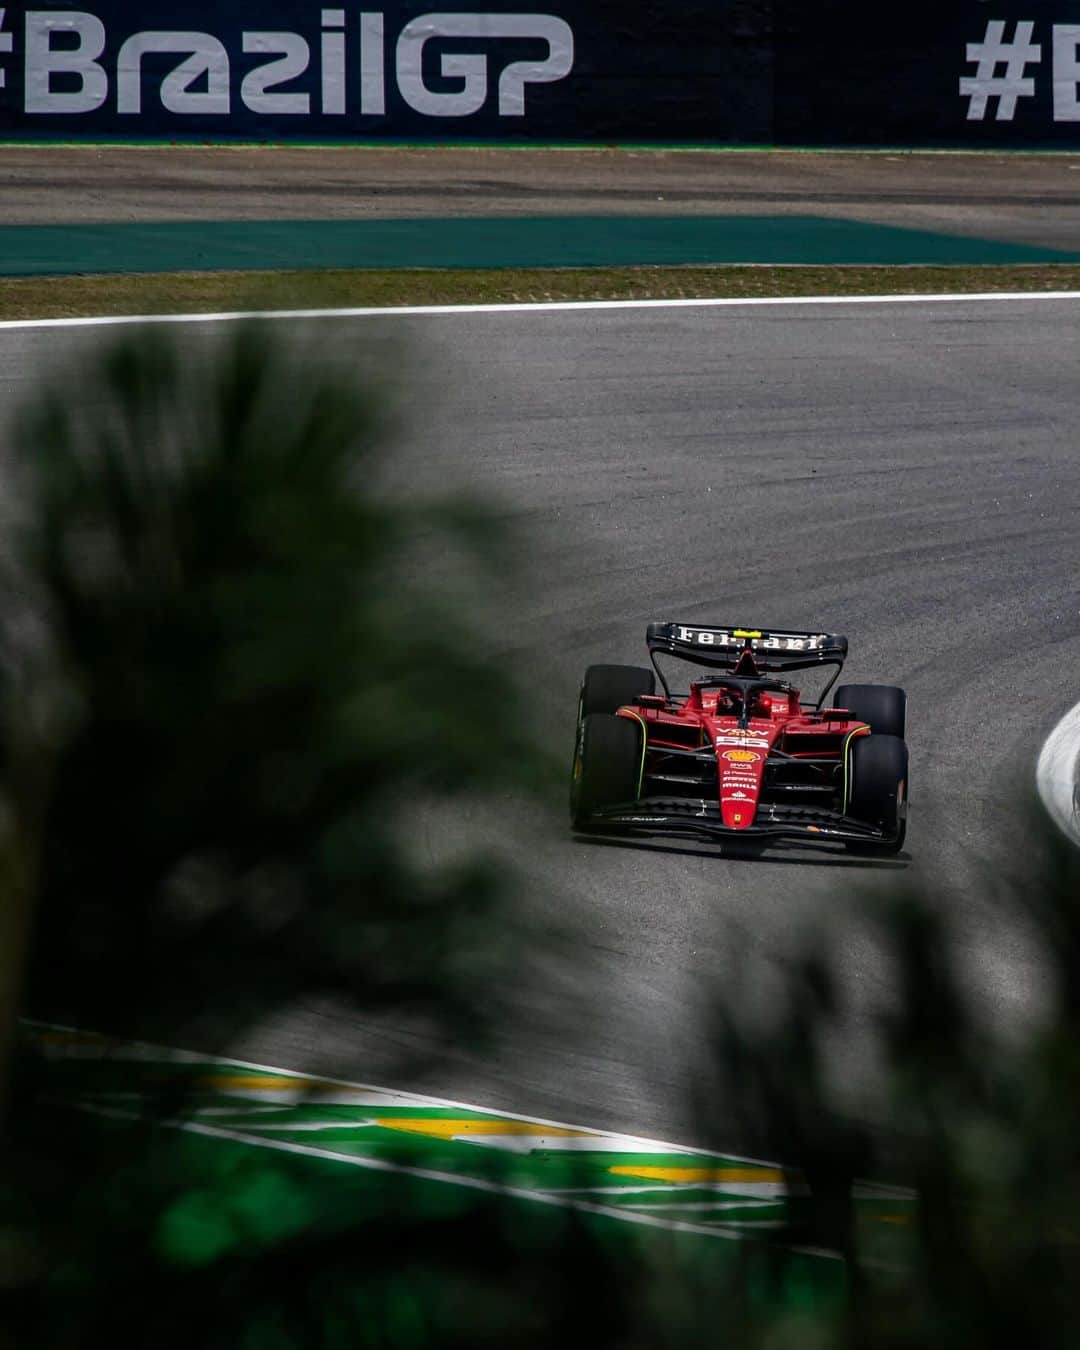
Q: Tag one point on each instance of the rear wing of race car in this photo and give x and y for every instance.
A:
(772, 649)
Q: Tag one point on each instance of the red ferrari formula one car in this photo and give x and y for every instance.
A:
(740, 756)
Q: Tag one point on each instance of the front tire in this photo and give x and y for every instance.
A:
(608, 760)
(877, 790)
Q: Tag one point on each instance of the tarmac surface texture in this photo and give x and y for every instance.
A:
(906, 474)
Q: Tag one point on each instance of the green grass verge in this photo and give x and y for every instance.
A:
(207, 292)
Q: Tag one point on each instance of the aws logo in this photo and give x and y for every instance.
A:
(441, 65)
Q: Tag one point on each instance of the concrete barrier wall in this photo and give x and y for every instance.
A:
(761, 72)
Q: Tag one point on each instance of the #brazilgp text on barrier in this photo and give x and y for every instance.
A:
(777, 72)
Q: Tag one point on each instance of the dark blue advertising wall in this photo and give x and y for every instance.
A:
(971, 73)
(783, 72)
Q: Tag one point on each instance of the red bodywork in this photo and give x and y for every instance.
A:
(777, 722)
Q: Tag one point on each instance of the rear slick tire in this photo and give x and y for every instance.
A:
(606, 689)
(883, 707)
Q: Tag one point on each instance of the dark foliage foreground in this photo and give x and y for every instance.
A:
(218, 687)
(978, 1118)
(223, 690)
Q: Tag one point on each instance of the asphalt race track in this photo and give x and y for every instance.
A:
(907, 474)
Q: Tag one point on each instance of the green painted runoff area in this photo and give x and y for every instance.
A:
(372, 1137)
(489, 242)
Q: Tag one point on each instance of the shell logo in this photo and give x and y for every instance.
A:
(741, 756)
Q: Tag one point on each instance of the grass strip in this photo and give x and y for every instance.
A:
(209, 292)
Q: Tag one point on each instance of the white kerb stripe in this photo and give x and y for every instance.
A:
(1057, 774)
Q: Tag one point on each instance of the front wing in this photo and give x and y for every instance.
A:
(700, 818)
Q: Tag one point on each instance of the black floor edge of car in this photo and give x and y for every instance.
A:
(702, 819)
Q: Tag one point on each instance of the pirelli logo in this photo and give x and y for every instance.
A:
(723, 637)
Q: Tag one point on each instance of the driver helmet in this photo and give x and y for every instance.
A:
(729, 702)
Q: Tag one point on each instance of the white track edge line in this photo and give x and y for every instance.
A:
(540, 307)
(192, 1056)
(1057, 774)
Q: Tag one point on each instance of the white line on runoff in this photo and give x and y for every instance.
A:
(542, 307)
